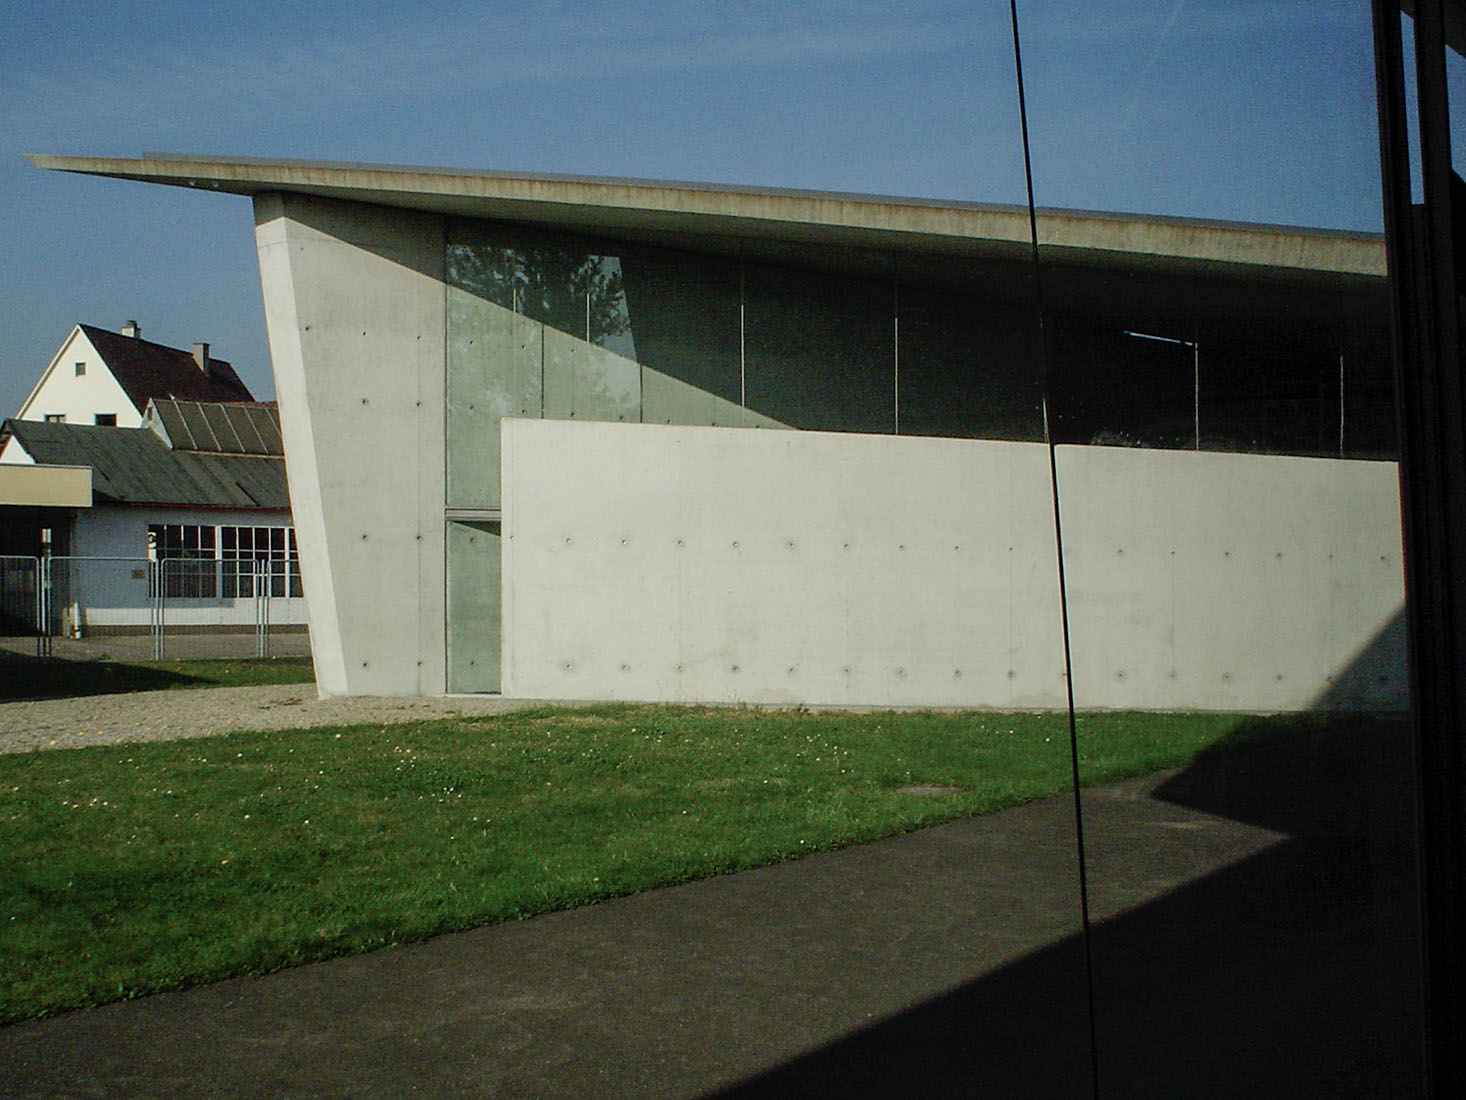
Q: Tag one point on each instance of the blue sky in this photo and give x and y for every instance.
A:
(1259, 111)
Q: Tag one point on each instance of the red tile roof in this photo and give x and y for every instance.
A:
(146, 370)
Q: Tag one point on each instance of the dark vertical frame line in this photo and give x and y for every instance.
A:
(742, 339)
(1045, 376)
(1195, 389)
(449, 281)
(1432, 441)
(896, 358)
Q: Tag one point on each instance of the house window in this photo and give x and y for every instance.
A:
(240, 548)
(187, 557)
(107, 420)
(207, 562)
(81, 369)
(55, 418)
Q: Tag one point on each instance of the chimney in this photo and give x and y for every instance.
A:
(201, 357)
(133, 329)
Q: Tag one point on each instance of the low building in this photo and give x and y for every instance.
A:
(188, 515)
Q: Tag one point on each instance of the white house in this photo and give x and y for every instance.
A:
(188, 473)
(108, 378)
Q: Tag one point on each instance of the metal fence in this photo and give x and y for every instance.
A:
(137, 607)
(20, 596)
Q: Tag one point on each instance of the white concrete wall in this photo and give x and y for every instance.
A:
(656, 562)
(79, 399)
(650, 562)
(1226, 581)
(354, 305)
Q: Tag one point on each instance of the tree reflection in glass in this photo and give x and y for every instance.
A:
(579, 293)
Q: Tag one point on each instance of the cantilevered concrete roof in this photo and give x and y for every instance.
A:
(653, 208)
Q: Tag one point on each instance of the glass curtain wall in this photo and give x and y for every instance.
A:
(1253, 905)
(550, 325)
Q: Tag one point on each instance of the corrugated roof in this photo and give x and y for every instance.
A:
(239, 429)
(135, 466)
(149, 371)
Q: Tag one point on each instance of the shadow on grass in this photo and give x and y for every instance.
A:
(56, 678)
(1292, 972)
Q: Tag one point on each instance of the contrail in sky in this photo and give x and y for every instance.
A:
(1155, 53)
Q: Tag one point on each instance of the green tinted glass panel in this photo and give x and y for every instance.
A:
(686, 313)
(495, 367)
(586, 382)
(474, 609)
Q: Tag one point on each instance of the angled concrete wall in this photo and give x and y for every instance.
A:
(355, 310)
(650, 562)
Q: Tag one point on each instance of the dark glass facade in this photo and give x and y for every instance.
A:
(815, 349)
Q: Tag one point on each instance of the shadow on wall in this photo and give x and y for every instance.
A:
(343, 221)
(1291, 972)
(1378, 677)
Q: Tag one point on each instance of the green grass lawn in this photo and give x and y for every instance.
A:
(133, 869)
(57, 679)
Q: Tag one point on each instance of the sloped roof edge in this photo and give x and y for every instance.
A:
(722, 210)
(146, 369)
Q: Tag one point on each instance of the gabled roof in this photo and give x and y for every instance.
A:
(135, 466)
(148, 371)
(243, 428)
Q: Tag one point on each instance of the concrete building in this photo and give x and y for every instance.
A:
(592, 438)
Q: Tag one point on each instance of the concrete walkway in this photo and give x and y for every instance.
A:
(83, 720)
(1254, 934)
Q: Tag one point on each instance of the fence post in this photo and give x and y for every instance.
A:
(40, 623)
(262, 607)
(155, 606)
(43, 609)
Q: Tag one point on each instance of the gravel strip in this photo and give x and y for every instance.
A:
(202, 712)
